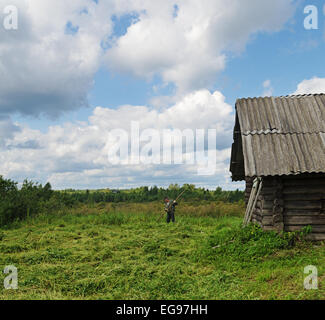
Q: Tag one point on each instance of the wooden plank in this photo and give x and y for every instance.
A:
(258, 204)
(259, 185)
(250, 203)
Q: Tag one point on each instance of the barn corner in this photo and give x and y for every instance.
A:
(279, 151)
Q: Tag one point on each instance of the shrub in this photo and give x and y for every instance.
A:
(251, 242)
(18, 204)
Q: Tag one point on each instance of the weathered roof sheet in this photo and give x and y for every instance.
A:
(279, 136)
(291, 114)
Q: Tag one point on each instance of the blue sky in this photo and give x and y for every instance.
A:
(278, 52)
(285, 58)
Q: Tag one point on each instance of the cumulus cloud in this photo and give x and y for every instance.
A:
(7, 130)
(47, 66)
(77, 154)
(311, 86)
(188, 46)
(43, 68)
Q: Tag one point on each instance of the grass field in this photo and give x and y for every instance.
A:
(125, 252)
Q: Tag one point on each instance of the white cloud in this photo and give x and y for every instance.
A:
(44, 69)
(311, 86)
(7, 130)
(189, 49)
(76, 154)
(268, 89)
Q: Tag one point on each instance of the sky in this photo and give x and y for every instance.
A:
(71, 72)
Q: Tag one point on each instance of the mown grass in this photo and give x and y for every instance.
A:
(126, 252)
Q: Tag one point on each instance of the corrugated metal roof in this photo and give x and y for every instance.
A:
(283, 154)
(279, 136)
(291, 114)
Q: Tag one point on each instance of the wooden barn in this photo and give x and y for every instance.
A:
(279, 150)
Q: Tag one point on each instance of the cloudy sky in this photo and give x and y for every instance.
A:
(75, 70)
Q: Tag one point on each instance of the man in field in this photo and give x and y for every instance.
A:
(170, 209)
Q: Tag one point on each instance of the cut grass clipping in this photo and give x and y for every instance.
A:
(100, 252)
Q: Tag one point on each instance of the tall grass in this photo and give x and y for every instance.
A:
(197, 209)
(124, 251)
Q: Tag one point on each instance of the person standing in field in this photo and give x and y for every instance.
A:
(170, 209)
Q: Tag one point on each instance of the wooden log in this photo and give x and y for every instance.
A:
(257, 218)
(269, 228)
(267, 212)
(298, 196)
(303, 220)
(303, 182)
(268, 190)
(268, 197)
(304, 176)
(304, 190)
(258, 204)
(267, 220)
(268, 205)
(305, 204)
(302, 212)
(278, 205)
(316, 236)
(315, 228)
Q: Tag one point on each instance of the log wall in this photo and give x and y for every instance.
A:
(289, 203)
(248, 190)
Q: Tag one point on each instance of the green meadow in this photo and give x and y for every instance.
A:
(126, 251)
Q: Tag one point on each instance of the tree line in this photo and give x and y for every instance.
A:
(149, 194)
(18, 203)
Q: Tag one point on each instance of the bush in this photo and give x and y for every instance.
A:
(251, 242)
(18, 204)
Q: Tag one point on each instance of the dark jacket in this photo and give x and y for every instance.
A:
(170, 206)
